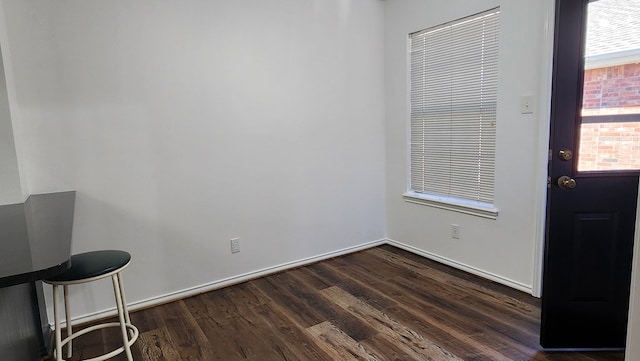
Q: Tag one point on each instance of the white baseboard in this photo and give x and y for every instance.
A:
(464, 267)
(173, 296)
(192, 291)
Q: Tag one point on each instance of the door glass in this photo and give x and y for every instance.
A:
(610, 129)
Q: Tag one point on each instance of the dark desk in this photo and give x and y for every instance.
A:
(35, 243)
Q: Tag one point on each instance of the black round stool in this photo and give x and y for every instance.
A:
(88, 267)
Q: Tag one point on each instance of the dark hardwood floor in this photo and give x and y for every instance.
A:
(378, 304)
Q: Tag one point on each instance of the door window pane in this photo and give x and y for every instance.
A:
(610, 129)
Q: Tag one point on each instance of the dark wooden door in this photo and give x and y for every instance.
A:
(590, 216)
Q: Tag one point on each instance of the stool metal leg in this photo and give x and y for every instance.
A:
(67, 312)
(121, 314)
(124, 302)
(56, 316)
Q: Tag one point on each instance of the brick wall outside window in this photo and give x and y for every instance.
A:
(612, 88)
(611, 144)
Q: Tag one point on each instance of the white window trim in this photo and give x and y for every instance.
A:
(479, 209)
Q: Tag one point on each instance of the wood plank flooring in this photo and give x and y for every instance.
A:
(379, 304)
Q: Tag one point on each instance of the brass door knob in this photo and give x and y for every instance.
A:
(566, 182)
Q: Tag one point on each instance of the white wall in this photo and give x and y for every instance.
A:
(10, 190)
(502, 248)
(13, 188)
(183, 124)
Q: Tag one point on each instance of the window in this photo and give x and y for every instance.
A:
(610, 127)
(454, 83)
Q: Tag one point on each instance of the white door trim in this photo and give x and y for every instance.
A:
(544, 121)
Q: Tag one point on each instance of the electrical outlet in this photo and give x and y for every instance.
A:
(455, 231)
(526, 104)
(235, 245)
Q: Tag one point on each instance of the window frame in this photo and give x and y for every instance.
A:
(450, 202)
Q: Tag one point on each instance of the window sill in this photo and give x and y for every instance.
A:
(451, 204)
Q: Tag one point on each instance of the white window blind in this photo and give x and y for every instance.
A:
(454, 82)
